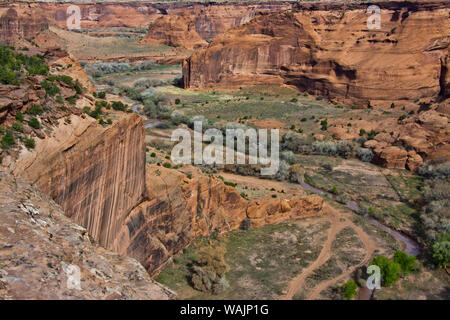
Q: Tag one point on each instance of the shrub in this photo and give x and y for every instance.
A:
(324, 125)
(408, 263)
(372, 134)
(167, 165)
(349, 290)
(334, 190)
(72, 100)
(17, 126)
(50, 88)
(29, 143)
(35, 110)
(8, 140)
(389, 269)
(19, 116)
(441, 250)
(153, 155)
(177, 101)
(101, 95)
(119, 106)
(213, 258)
(344, 148)
(59, 99)
(365, 154)
(325, 148)
(34, 123)
(288, 156)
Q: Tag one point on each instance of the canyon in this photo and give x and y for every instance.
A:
(327, 50)
(104, 183)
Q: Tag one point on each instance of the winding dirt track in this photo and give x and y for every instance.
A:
(338, 222)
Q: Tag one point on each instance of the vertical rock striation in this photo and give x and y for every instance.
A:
(97, 175)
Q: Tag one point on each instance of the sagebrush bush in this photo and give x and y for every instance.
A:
(328, 148)
(365, 154)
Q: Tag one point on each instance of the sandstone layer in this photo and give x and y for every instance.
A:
(40, 247)
(210, 19)
(97, 175)
(329, 51)
(174, 31)
(181, 206)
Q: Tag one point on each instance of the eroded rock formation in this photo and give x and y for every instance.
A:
(210, 19)
(329, 51)
(40, 247)
(97, 175)
(13, 28)
(174, 31)
(181, 206)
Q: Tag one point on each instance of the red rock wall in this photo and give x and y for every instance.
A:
(96, 175)
(329, 51)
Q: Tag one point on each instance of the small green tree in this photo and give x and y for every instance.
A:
(389, 269)
(407, 262)
(441, 250)
(17, 126)
(349, 290)
(19, 116)
(34, 123)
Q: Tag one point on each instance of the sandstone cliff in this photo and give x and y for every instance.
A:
(96, 174)
(181, 206)
(39, 245)
(12, 28)
(174, 31)
(329, 51)
(210, 19)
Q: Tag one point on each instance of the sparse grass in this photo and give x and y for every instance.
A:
(262, 260)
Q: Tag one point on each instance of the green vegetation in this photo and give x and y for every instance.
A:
(35, 110)
(17, 126)
(7, 140)
(50, 88)
(391, 270)
(13, 65)
(349, 290)
(408, 263)
(19, 116)
(441, 250)
(30, 143)
(34, 123)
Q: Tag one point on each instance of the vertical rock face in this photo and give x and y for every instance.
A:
(96, 175)
(329, 51)
(181, 207)
(26, 27)
(175, 31)
(40, 246)
(210, 19)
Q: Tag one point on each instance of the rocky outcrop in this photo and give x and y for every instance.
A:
(41, 249)
(329, 51)
(96, 174)
(174, 31)
(210, 19)
(12, 28)
(409, 142)
(181, 206)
